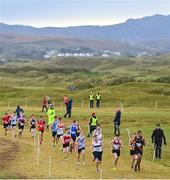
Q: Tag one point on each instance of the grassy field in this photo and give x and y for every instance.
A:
(140, 86)
(24, 163)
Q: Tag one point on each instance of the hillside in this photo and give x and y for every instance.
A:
(150, 77)
(140, 86)
(147, 36)
(133, 30)
(37, 47)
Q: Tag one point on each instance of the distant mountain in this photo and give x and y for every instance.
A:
(135, 37)
(150, 28)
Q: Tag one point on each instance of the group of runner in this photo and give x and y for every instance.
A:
(10, 122)
(71, 138)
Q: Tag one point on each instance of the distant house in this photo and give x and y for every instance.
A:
(105, 55)
(117, 53)
(72, 88)
(140, 54)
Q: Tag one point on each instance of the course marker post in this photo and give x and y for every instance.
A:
(122, 107)
(35, 138)
(38, 150)
(49, 170)
(101, 174)
(26, 103)
(154, 151)
(8, 106)
(82, 104)
(128, 133)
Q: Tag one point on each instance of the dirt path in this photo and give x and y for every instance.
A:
(8, 153)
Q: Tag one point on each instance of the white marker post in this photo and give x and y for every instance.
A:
(101, 174)
(26, 103)
(82, 104)
(128, 133)
(38, 150)
(122, 107)
(154, 151)
(35, 137)
(8, 106)
(49, 170)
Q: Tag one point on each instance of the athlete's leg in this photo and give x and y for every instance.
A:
(83, 154)
(6, 131)
(97, 165)
(78, 158)
(60, 139)
(135, 161)
(14, 131)
(41, 137)
(139, 161)
(67, 149)
(132, 161)
(32, 132)
(20, 133)
(116, 159)
(54, 141)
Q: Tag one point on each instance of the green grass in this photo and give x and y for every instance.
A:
(134, 119)
(145, 102)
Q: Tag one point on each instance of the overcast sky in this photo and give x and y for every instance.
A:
(64, 13)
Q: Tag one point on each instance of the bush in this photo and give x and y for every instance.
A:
(165, 79)
(121, 80)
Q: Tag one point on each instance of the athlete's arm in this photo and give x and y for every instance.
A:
(143, 141)
(121, 144)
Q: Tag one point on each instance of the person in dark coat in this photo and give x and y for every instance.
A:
(157, 137)
(18, 111)
(116, 121)
(68, 109)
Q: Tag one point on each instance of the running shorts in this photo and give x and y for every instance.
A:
(98, 155)
(54, 134)
(132, 152)
(79, 150)
(138, 151)
(21, 127)
(66, 145)
(6, 126)
(73, 138)
(116, 151)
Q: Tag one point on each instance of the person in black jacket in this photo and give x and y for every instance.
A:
(157, 137)
(68, 108)
(117, 120)
(18, 111)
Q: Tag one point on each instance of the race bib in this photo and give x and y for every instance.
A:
(138, 144)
